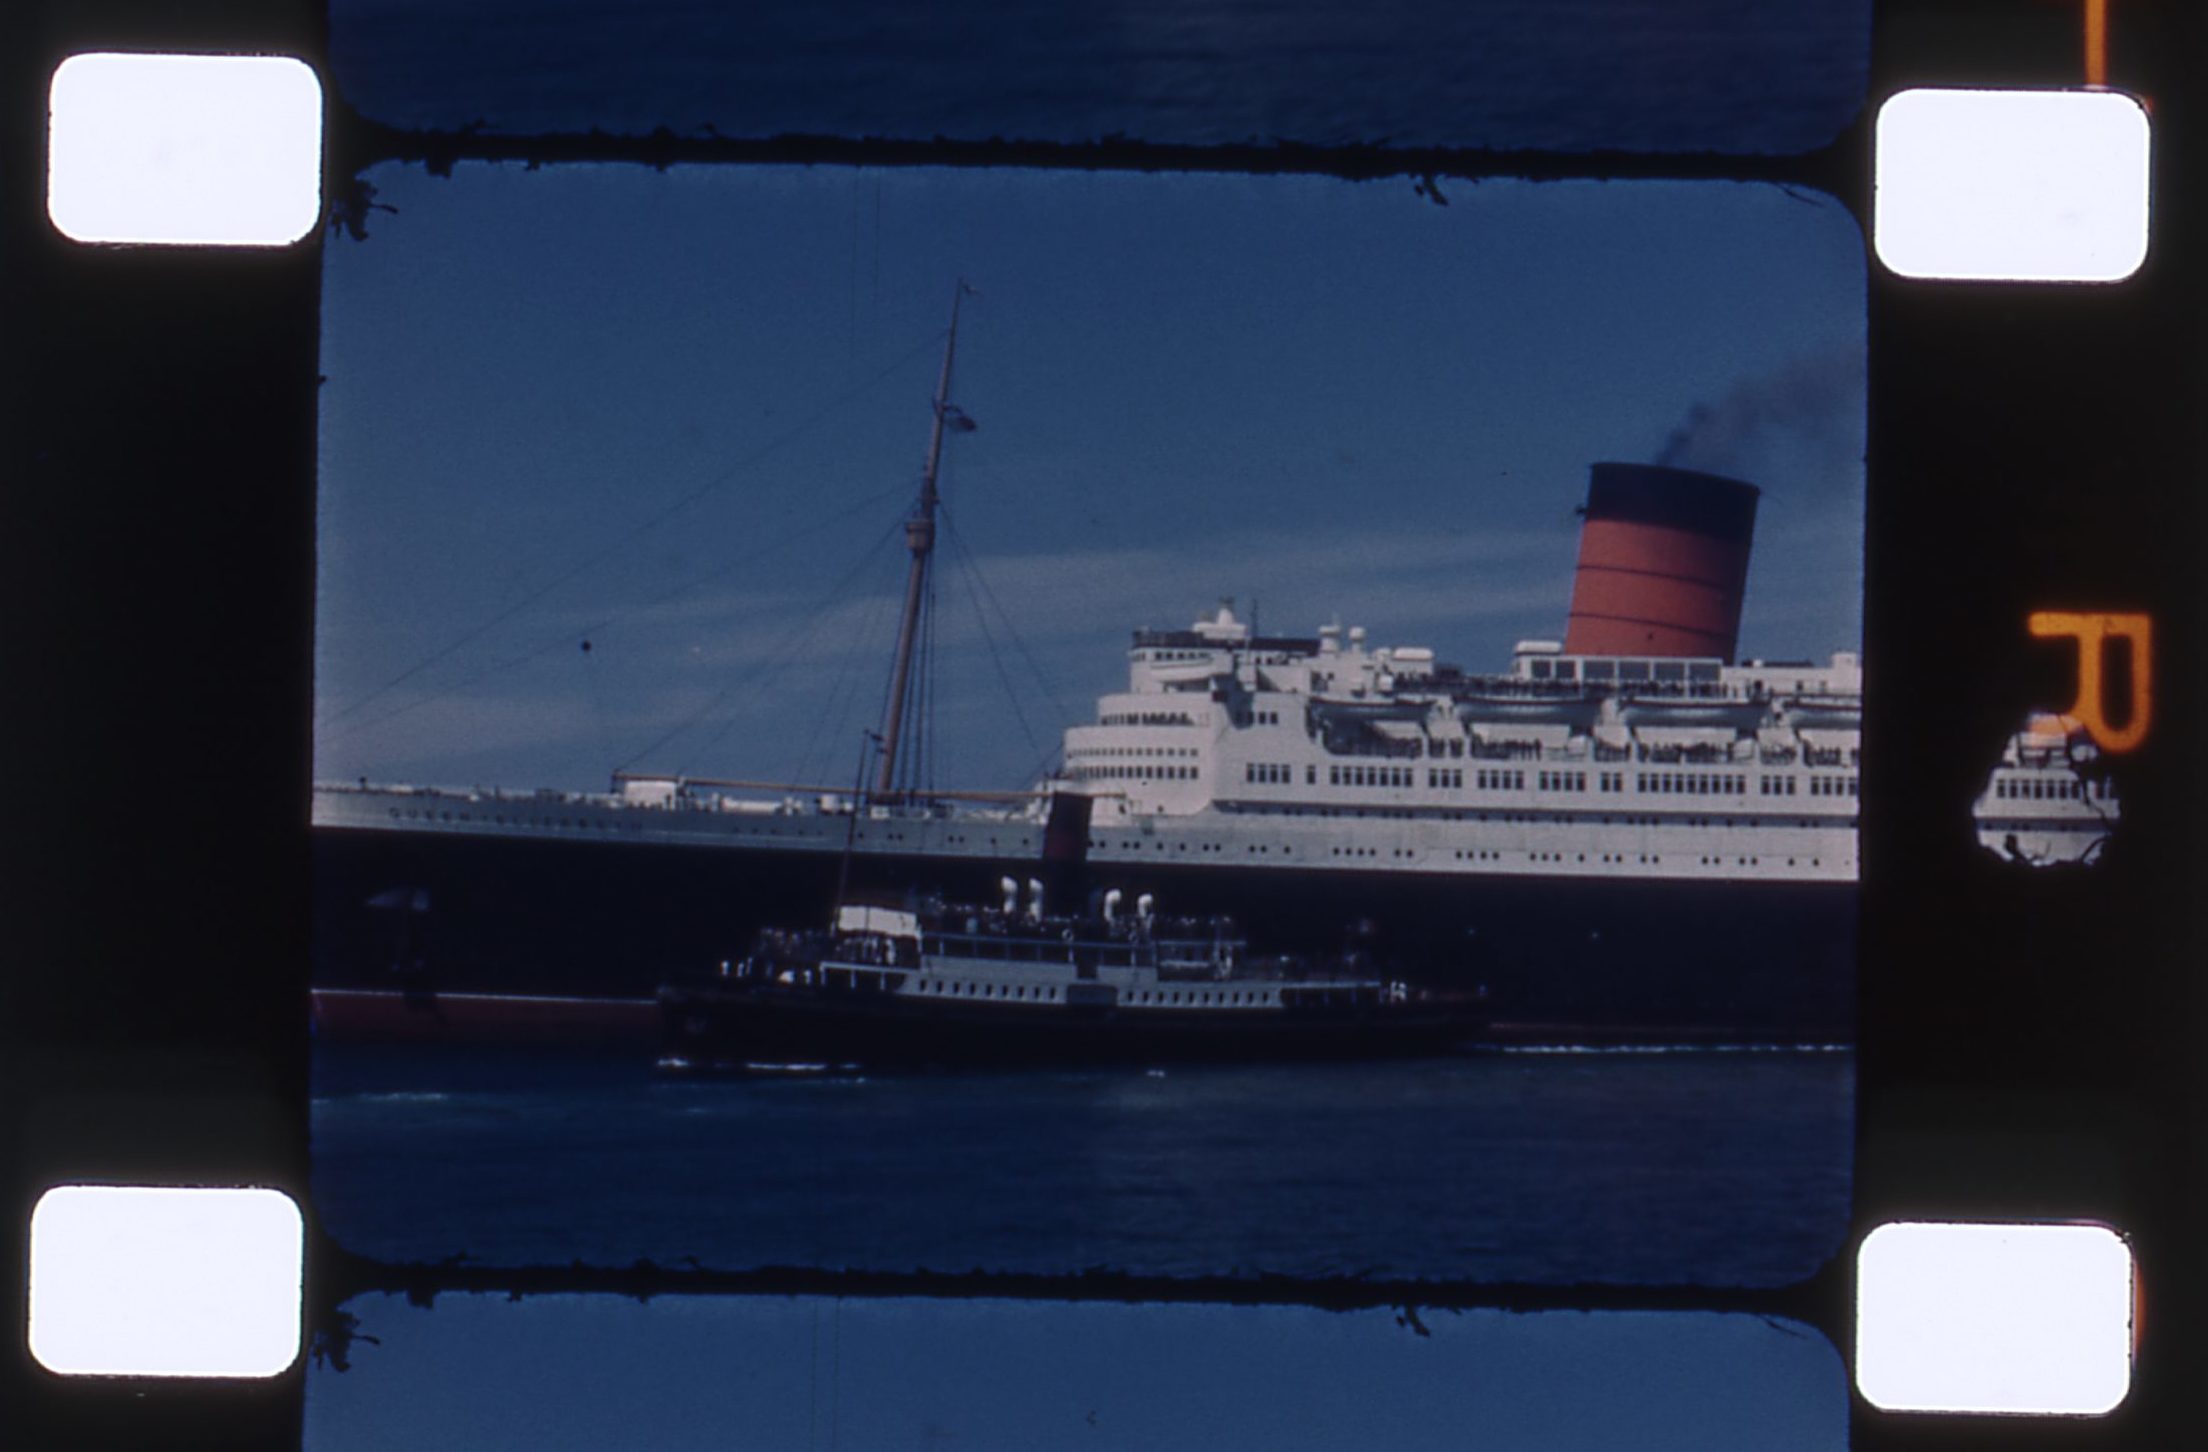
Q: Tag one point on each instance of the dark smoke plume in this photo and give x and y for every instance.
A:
(1818, 399)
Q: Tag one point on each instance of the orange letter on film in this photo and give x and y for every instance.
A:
(2090, 631)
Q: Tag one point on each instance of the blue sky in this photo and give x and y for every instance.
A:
(677, 415)
(574, 1371)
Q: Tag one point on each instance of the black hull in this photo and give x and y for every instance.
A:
(738, 1029)
(1572, 959)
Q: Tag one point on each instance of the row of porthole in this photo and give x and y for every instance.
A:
(1407, 853)
(1177, 847)
(984, 990)
(500, 821)
(1181, 846)
(1199, 1000)
(1619, 857)
(1607, 819)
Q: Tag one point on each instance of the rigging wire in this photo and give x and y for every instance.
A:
(842, 697)
(778, 664)
(594, 684)
(881, 711)
(932, 734)
(980, 582)
(968, 574)
(597, 627)
(788, 436)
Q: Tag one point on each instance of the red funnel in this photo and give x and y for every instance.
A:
(1663, 559)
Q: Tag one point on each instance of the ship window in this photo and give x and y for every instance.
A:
(1702, 672)
(1632, 670)
(1598, 670)
(1541, 670)
(1671, 670)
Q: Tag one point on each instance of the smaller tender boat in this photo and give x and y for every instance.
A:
(943, 985)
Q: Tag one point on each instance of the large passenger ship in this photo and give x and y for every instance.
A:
(1622, 834)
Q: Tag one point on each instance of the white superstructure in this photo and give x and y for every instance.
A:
(1332, 752)
(2044, 803)
(1234, 750)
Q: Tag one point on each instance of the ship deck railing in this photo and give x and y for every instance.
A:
(793, 801)
(1687, 755)
(1507, 751)
(1472, 690)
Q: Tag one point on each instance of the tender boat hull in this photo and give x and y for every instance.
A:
(734, 1027)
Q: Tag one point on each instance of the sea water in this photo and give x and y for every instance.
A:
(1710, 1168)
(1718, 75)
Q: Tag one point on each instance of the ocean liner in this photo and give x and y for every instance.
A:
(1623, 834)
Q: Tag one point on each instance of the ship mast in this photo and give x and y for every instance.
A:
(920, 539)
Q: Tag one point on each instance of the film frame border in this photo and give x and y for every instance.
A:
(1923, 1113)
